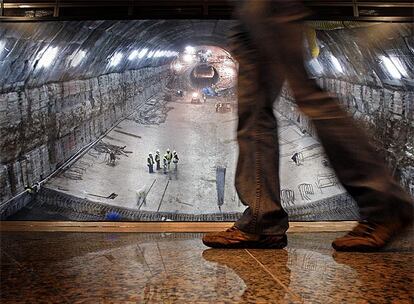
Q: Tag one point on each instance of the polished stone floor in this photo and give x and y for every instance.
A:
(177, 268)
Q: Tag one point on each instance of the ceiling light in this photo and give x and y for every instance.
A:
(48, 57)
(115, 59)
(142, 53)
(389, 65)
(188, 58)
(78, 58)
(336, 64)
(396, 61)
(150, 54)
(133, 55)
(316, 66)
(2, 45)
(189, 50)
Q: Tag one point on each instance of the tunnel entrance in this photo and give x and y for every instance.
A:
(203, 75)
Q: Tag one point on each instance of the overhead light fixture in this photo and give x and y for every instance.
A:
(48, 57)
(189, 50)
(134, 54)
(142, 53)
(188, 58)
(316, 66)
(78, 58)
(2, 46)
(391, 68)
(396, 61)
(115, 59)
(336, 64)
(151, 54)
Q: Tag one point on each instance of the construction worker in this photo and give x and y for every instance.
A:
(175, 160)
(141, 195)
(158, 159)
(150, 163)
(165, 162)
(169, 157)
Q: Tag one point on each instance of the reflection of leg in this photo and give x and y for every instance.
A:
(254, 277)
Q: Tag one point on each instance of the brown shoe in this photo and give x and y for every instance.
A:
(368, 236)
(235, 238)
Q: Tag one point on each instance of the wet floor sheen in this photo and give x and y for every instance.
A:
(178, 268)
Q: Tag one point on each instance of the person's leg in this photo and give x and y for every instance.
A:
(257, 173)
(381, 199)
(264, 222)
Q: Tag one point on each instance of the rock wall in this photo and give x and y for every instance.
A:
(41, 127)
(364, 102)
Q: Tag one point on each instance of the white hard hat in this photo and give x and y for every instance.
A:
(150, 153)
(174, 152)
(168, 150)
(158, 151)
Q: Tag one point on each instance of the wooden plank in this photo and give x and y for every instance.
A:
(150, 227)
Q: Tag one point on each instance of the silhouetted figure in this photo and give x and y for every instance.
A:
(150, 163)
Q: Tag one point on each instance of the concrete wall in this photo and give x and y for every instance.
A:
(41, 127)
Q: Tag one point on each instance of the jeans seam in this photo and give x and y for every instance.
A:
(258, 173)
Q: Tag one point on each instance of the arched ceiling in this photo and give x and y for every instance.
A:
(23, 44)
(359, 51)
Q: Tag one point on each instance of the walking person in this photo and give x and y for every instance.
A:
(150, 163)
(267, 44)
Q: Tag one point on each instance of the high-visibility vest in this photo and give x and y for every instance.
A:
(175, 158)
(150, 160)
(157, 157)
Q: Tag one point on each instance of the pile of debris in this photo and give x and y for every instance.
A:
(112, 152)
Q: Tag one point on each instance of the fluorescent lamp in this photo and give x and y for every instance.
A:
(78, 58)
(115, 59)
(389, 65)
(134, 54)
(336, 64)
(48, 57)
(189, 50)
(142, 53)
(396, 61)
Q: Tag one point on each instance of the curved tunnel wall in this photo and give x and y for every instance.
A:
(47, 113)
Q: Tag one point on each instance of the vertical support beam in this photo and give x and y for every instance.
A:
(1, 7)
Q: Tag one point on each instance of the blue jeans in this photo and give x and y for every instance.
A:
(267, 44)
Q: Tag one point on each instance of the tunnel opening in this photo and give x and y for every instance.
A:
(203, 75)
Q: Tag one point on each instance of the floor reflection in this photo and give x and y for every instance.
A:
(177, 268)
